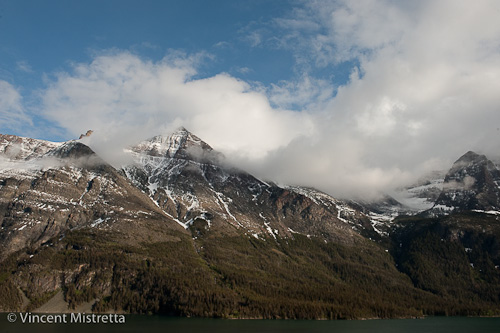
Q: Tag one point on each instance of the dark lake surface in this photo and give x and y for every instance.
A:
(150, 324)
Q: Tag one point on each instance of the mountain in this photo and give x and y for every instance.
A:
(193, 184)
(472, 183)
(179, 231)
(16, 148)
(53, 188)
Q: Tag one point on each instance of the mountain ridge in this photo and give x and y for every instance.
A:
(77, 189)
(181, 232)
(215, 189)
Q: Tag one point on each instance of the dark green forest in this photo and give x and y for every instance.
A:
(443, 266)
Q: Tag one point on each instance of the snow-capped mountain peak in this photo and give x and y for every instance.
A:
(190, 182)
(180, 144)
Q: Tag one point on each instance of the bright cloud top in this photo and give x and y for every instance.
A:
(126, 99)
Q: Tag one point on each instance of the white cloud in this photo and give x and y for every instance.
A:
(244, 70)
(380, 119)
(24, 67)
(306, 93)
(12, 114)
(423, 92)
(124, 99)
(254, 38)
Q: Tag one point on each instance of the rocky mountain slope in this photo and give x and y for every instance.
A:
(58, 187)
(191, 183)
(473, 183)
(179, 231)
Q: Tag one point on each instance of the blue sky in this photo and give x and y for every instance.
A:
(48, 35)
(43, 38)
(342, 95)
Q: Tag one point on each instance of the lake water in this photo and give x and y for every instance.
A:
(150, 324)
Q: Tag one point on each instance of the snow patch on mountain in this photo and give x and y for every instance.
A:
(490, 212)
(19, 148)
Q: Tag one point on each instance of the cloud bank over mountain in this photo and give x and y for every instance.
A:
(422, 89)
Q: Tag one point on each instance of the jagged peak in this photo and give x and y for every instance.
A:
(180, 144)
(470, 160)
(77, 154)
(471, 183)
(89, 133)
(72, 149)
(471, 156)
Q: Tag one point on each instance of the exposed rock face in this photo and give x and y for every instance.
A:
(77, 189)
(178, 181)
(182, 232)
(87, 134)
(473, 183)
(191, 183)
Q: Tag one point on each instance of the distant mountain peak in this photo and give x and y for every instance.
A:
(471, 154)
(471, 157)
(472, 183)
(469, 164)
